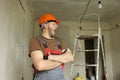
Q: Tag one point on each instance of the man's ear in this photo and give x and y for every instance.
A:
(46, 26)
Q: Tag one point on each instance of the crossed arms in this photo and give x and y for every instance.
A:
(53, 60)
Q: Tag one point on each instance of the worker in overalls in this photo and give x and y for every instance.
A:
(49, 53)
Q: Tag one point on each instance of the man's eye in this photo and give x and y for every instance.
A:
(54, 24)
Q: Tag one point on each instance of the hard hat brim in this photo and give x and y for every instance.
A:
(57, 21)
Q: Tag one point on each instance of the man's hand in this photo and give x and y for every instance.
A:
(63, 58)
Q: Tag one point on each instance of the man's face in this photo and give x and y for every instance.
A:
(52, 28)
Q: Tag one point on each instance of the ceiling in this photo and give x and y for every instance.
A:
(71, 10)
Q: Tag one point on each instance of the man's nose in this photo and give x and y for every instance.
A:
(57, 26)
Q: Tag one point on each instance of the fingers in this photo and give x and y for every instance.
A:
(49, 53)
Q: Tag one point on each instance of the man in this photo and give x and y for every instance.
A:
(89, 74)
(49, 53)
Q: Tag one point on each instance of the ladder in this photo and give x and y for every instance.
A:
(77, 43)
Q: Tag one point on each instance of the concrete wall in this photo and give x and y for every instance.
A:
(115, 47)
(67, 32)
(16, 29)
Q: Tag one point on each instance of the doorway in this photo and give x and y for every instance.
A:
(91, 58)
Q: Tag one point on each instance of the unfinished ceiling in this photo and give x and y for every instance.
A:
(71, 10)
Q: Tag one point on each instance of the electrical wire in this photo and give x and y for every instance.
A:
(85, 11)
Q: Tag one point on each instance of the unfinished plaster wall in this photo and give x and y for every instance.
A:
(16, 29)
(115, 46)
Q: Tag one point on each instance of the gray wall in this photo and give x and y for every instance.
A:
(115, 47)
(16, 29)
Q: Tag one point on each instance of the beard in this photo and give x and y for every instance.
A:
(51, 33)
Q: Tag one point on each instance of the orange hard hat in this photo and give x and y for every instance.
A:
(47, 17)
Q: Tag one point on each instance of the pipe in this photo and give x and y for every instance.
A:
(116, 26)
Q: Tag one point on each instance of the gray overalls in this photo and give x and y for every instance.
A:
(54, 74)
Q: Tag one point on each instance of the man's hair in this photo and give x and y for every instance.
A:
(42, 25)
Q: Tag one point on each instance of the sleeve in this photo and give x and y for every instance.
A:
(34, 45)
(63, 45)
